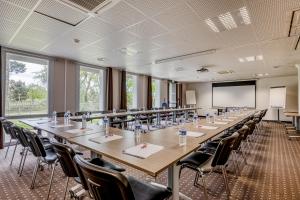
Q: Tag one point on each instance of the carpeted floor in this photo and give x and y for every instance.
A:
(272, 172)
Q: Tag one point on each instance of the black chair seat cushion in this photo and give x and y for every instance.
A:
(106, 164)
(195, 159)
(146, 191)
(50, 156)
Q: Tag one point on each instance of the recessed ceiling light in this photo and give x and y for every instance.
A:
(259, 57)
(227, 20)
(241, 60)
(250, 58)
(259, 75)
(245, 15)
(266, 74)
(212, 25)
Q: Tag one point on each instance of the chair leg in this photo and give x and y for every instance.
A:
(66, 188)
(25, 156)
(13, 154)
(51, 179)
(236, 165)
(35, 173)
(21, 161)
(226, 181)
(8, 148)
(204, 186)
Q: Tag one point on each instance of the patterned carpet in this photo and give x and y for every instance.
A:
(272, 172)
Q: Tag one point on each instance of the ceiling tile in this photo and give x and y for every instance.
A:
(122, 15)
(147, 29)
(12, 13)
(153, 7)
(7, 29)
(183, 17)
(97, 27)
(26, 4)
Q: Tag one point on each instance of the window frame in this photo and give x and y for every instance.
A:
(158, 95)
(4, 53)
(77, 100)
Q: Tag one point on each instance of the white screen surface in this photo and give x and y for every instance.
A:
(234, 96)
(277, 97)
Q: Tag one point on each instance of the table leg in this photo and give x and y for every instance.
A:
(174, 117)
(186, 115)
(293, 121)
(173, 182)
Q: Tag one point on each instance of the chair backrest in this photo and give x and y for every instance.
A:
(103, 183)
(81, 113)
(223, 150)
(251, 125)
(7, 128)
(19, 134)
(242, 134)
(35, 143)
(65, 155)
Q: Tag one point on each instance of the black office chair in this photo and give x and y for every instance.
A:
(6, 126)
(43, 155)
(204, 163)
(107, 184)
(62, 114)
(65, 156)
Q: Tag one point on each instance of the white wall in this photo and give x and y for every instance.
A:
(204, 95)
(263, 91)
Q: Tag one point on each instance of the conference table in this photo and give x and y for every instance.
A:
(115, 144)
(295, 116)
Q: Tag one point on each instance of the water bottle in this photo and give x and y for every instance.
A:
(114, 111)
(66, 118)
(137, 130)
(54, 116)
(207, 118)
(83, 121)
(195, 119)
(106, 125)
(88, 115)
(69, 115)
(182, 136)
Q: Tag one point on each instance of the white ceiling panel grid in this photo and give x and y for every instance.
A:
(158, 29)
(147, 29)
(122, 15)
(12, 13)
(26, 4)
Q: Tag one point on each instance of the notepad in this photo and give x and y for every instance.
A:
(143, 150)
(80, 130)
(61, 125)
(194, 134)
(208, 127)
(103, 139)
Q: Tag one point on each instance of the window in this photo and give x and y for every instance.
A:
(131, 91)
(91, 95)
(26, 85)
(156, 93)
(172, 94)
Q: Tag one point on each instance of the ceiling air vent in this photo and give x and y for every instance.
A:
(226, 72)
(295, 24)
(88, 5)
(202, 70)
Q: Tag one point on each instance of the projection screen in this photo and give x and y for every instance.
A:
(234, 95)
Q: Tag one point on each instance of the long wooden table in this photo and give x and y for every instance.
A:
(167, 158)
